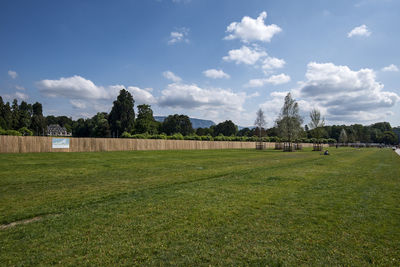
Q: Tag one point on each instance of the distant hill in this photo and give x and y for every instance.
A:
(196, 123)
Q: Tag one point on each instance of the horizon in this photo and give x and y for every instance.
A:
(74, 57)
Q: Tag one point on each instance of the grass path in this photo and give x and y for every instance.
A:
(229, 207)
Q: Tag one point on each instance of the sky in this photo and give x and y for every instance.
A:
(209, 59)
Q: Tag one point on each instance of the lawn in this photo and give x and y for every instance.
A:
(195, 208)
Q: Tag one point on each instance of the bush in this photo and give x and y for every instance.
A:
(126, 135)
(140, 136)
(176, 136)
(10, 132)
(158, 136)
(25, 131)
(207, 138)
(331, 141)
(192, 137)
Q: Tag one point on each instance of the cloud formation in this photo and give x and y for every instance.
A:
(391, 67)
(75, 87)
(359, 31)
(84, 94)
(244, 55)
(249, 29)
(271, 63)
(191, 96)
(274, 80)
(142, 96)
(344, 94)
(171, 76)
(12, 74)
(179, 36)
(216, 74)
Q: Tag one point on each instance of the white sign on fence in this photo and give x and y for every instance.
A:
(60, 143)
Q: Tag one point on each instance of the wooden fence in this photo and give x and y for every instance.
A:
(28, 144)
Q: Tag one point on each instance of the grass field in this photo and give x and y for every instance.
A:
(228, 207)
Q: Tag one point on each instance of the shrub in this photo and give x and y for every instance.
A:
(207, 138)
(176, 136)
(25, 131)
(140, 136)
(158, 136)
(10, 132)
(192, 137)
(126, 135)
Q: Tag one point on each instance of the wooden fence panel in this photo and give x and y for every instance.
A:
(29, 144)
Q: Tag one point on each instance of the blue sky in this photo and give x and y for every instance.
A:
(208, 59)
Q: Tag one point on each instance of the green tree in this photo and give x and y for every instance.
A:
(289, 120)
(389, 138)
(145, 122)
(38, 122)
(99, 126)
(15, 115)
(122, 115)
(226, 128)
(177, 124)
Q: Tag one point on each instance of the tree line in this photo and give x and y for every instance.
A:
(28, 119)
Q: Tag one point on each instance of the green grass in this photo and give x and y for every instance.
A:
(228, 207)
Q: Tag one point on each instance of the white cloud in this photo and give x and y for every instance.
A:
(359, 31)
(142, 96)
(274, 79)
(12, 74)
(346, 95)
(341, 94)
(21, 96)
(75, 87)
(250, 29)
(244, 55)
(171, 76)
(21, 88)
(17, 95)
(178, 36)
(391, 67)
(215, 74)
(84, 93)
(213, 103)
(270, 63)
(78, 104)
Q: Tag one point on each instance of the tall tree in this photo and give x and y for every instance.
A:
(15, 115)
(226, 128)
(145, 122)
(289, 120)
(100, 126)
(38, 123)
(260, 121)
(122, 115)
(343, 136)
(316, 124)
(177, 124)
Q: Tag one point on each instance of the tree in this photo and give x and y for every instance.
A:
(38, 122)
(122, 115)
(289, 120)
(177, 124)
(25, 114)
(226, 128)
(99, 125)
(260, 121)
(145, 122)
(389, 138)
(316, 124)
(343, 136)
(15, 115)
